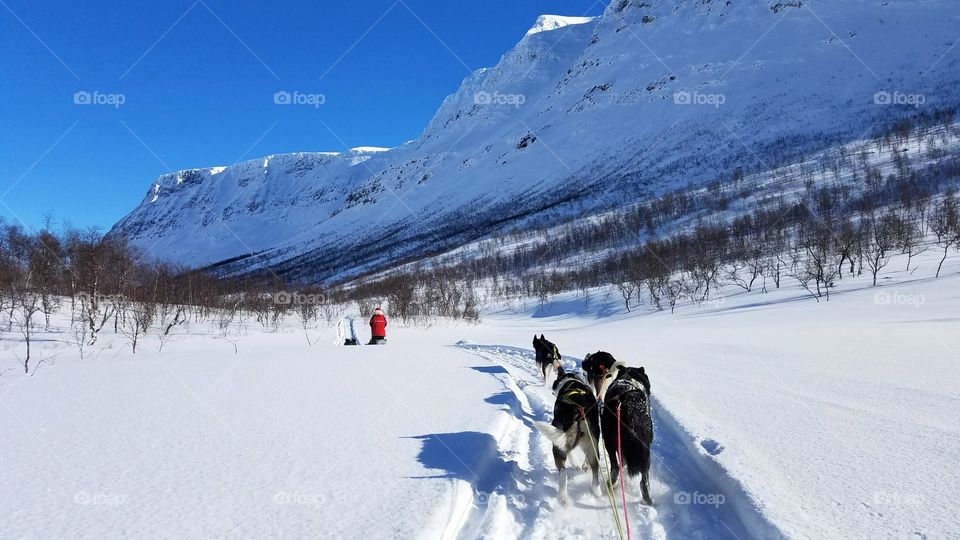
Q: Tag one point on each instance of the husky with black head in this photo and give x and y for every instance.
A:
(548, 356)
(625, 393)
(596, 365)
(575, 423)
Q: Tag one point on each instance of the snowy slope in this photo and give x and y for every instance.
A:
(582, 115)
(835, 417)
(197, 442)
(227, 207)
(774, 416)
(546, 23)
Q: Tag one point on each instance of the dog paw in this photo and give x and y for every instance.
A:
(596, 491)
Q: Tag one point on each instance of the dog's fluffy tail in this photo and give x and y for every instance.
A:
(553, 433)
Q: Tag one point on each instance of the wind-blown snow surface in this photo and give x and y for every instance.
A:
(580, 116)
(774, 416)
(545, 23)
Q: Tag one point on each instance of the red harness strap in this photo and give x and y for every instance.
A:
(623, 493)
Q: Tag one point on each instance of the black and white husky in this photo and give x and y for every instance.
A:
(624, 391)
(575, 423)
(548, 356)
(596, 365)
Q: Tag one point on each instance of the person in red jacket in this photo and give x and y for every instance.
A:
(378, 327)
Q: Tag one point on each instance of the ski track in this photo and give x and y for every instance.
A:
(693, 496)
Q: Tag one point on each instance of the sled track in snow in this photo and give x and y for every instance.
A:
(516, 492)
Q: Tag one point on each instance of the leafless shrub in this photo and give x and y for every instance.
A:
(138, 320)
(945, 225)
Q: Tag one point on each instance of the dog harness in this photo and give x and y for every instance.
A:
(570, 395)
(573, 396)
(635, 386)
(569, 379)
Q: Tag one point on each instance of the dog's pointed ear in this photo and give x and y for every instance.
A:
(541, 336)
(642, 370)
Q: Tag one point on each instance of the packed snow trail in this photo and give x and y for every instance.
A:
(515, 487)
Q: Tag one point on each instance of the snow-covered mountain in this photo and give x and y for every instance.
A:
(582, 115)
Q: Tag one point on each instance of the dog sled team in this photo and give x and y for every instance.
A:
(605, 403)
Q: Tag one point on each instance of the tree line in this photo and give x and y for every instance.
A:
(844, 213)
(851, 210)
(106, 285)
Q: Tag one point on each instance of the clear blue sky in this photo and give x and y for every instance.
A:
(198, 79)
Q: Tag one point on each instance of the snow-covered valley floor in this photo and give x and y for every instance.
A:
(774, 416)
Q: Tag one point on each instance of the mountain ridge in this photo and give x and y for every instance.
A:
(583, 117)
